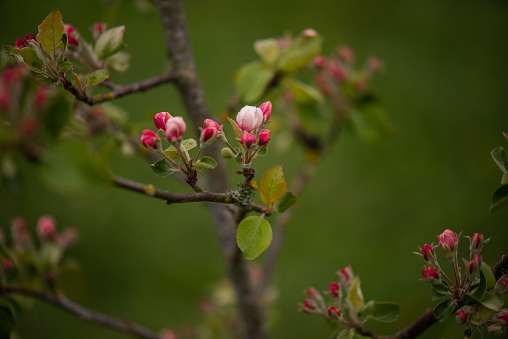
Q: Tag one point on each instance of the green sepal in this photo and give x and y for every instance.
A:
(110, 42)
(96, 77)
(185, 145)
(385, 312)
(251, 81)
(287, 200)
(297, 55)
(162, 168)
(65, 41)
(444, 310)
(499, 198)
(50, 33)
(254, 235)
(206, 163)
(272, 186)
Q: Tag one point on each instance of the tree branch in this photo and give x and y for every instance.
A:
(120, 91)
(84, 313)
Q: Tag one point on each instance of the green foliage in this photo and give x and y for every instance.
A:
(499, 198)
(297, 55)
(97, 77)
(251, 81)
(287, 200)
(110, 42)
(162, 168)
(185, 146)
(254, 235)
(50, 33)
(444, 310)
(380, 311)
(355, 295)
(438, 292)
(370, 122)
(28, 56)
(268, 50)
(304, 93)
(206, 163)
(272, 186)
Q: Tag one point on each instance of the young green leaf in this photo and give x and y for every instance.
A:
(268, 50)
(272, 186)
(236, 129)
(287, 200)
(299, 53)
(444, 310)
(50, 33)
(251, 81)
(304, 93)
(499, 198)
(110, 42)
(499, 156)
(355, 295)
(162, 168)
(65, 66)
(97, 77)
(478, 292)
(186, 145)
(490, 279)
(482, 315)
(65, 41)
(438, 292)
(491, 302)
(253, 236)
(206, 163)
(28, 56)
(383, 312)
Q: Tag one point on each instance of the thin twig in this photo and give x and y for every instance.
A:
(120, 91)
(84, 313)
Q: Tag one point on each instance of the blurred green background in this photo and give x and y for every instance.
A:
(369, 205)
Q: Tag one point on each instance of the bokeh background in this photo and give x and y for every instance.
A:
(369, 205)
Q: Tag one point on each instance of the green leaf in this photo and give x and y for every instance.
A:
(65, 41)
(50, 33)
(492, 302)
(97, 77)
(479, 292)
(119, 61)
(65, 66)
(110, 42)
(438, 292)
(262, 151)
(238, 161)
(287, 200)
(272, 186)
(482, 315)
(499, 156)
(444, 310)
(206, 163)
(371, 122)
(355, 295)
(28, 56)
(302, 51)
(490, 279)
(162, 168)
(268, 50)
(236, 129)
(304, 93)
(186, 145)
(254, 235)
(251, 81)
(499, 198)
(385, 312)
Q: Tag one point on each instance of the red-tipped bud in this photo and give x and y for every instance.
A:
(160, 120)
(28, 37)
(333, 312)
(71, 38)
(99, 27)
(72, 41)
(312, 293)
(20, 43)
(345, 275)
(461, 317)
(7, 264)
(69, 28)
(320, 61)
(211, 123)
(266, 108)
(334, 289)
(346, 54)
(209, 134)
(501, 287)
(248, 140)
(149, 139)
(476, 244)
(374, 65)
(323, 84)
(427, 251)
(503, 317)
(474, 265)
(249, 118)
(264, 137)
(448, 243)
(175, 128)
(337, 71)
(309, 306)
(46, 228)
(430, 275)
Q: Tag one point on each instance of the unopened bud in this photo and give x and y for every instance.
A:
(431, 276)
(502, 317)
(29, 37)
(20, 44)
(320, 61)
(71, 38)
(175, 128)
(346, 275)
(249, 118)
(346, 54)
(209, 134)
(333, 313)
(474, 265)
(248, 140)
(476, 243)
(67, 237)
(309, 306)
(149, 139)
(160, 120)
(309, 32)
(334, 289)
(461, 317)
(448, 243)
(496, 330)
(46, 228)
(227, 153)
(337, 72)
(264, 137)
(428, 252)
(501, 287)
(266, 108)
(7, 264)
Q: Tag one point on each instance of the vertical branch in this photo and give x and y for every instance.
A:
(173, 21)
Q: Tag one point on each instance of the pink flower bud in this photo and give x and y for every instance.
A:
(312, 293)
(99, 27)
(40, 98)
(309, 306)
(346, 54)
(160, 120)
(501, 287)
(503, 317)
(476, 244)
(309, 32)
(211, 123)
(448, 243)
(67, 237)
(7, 264)
(337, 71)
(20, 43)
(149, 139)
(430, 275)
(175, 128)
(374, 65)
(333, 312)
(427, 252)
(248, 140)
(46, 228)
(29, 36)
(323, 84)
(71, 38)
(474, 265)
(320, 61)
(496, 330)
(345, 275)
(249, 118)
(461, 317)
(209, 134)
(266, 108)
(264, 137)
(69, 28)
(334, 289)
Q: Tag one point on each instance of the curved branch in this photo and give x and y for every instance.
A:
(120, 91)
(84, 313)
